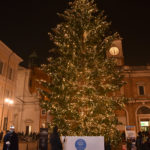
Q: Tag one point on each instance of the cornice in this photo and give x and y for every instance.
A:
(5, 50)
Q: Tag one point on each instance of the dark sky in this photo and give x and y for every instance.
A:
(24, 26)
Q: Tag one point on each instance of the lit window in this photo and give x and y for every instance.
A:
(144, 123)
(141, 90)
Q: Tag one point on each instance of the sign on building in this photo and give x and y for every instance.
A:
(130, 132)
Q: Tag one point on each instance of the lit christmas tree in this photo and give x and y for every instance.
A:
(83, 78)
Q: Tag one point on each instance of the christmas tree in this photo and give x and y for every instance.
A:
(83, 78)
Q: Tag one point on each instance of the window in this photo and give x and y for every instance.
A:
(9, 73)
(43, 111)
(8, 93)
(141, 90)
(5, 123)
(1, 67)
(30, 83)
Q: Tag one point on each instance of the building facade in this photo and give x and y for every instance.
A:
(9, 63)
(136, 89)
(37, 74)
(18, 106)
(19, 84)
(137, 78)
(27, 111)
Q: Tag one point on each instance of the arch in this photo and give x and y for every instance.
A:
(144, 109)
(122, 116)
(127, 115)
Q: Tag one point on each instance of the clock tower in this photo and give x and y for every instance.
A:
(116, 52)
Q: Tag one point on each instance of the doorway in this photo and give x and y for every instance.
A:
(28, 130)
(143, 116)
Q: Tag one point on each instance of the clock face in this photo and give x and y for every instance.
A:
(114, 51)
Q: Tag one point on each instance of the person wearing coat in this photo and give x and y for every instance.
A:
(11, 140)
(55, 140)
(107, 145)
(139, 140)
(147, 144)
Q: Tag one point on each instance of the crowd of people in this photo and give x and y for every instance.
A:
(142, 142)
(28, 137)
(23, 137)
(11, 139)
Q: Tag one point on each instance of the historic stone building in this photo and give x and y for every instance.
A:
(137, 111)
(18, 106)
(27, 110)
(37, 74)
(9, 63)
(136, 89)
(18, 84)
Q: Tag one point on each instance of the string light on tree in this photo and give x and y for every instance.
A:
(83, 78)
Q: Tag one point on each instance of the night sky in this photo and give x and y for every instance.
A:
(24, 26)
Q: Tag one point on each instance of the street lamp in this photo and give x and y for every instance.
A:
(9, 102)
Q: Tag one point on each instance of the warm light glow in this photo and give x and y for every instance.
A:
(9, 101)
(6, 100)
(114, 51)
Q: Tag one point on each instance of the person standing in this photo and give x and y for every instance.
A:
(11, 140)
(107, 145)
(139, 141)
(147, 144)
(55, 140)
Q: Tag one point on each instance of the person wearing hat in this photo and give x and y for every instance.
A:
(11, 140)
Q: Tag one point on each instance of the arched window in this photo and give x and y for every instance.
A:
(143, 110)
